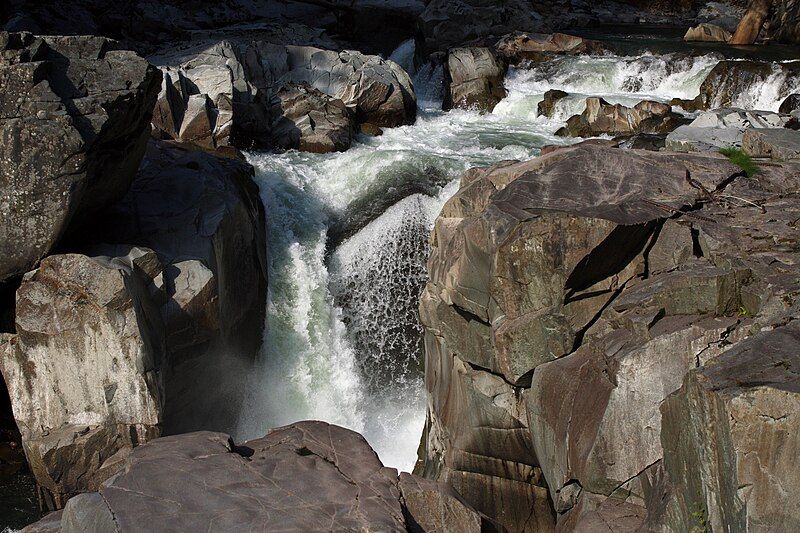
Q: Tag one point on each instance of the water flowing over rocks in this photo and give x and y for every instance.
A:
(74, 120)
(229, 94)
(600, 118)
(730, 83)
(309, 476)
(573, 302)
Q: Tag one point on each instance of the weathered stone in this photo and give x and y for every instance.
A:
(474, 78)
(74, 118)
(311, 121)
(708, 33)
(720, 128)
(780, 144)
(547, 106)
(84, 370)
(309, 476)
(242, 82)
(750, 26)
(601, 118)
(728, 80)
(730, 438)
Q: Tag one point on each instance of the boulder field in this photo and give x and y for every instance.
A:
(611, 338)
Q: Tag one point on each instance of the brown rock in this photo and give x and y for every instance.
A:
(601, 118)
(707, 33)
(474, 79)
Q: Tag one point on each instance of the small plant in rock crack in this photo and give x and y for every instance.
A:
(741, 160)
(700, 515)
(743, 312)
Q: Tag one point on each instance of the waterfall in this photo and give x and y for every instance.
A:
(342, 341)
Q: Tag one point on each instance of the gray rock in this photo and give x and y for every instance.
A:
(309, 476)
(780, 144)
(74, 122)
(474, 79)
(720, 128)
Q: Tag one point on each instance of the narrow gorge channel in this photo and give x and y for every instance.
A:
(343, 341)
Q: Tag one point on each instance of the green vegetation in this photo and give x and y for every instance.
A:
(701, 517)
(741, 160)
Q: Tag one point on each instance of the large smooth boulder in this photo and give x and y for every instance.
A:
(309, 476)
(569, 297)
(780, 144)
(474, 79)
(228, 93)
(84, 369)
(707, 33)
(74, 123)
(602, 118)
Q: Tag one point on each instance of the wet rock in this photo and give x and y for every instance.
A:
(750, 26)
(474, 79)
(784, 22)
(447, 23)
(729, 80)
(309, 476)
(730, 438)
(780, 144)
(84, 369)
(74, 121)
(601, 118)
(721, 128)
(791, 104)
(547, 106)
(518, 47)
(707, 33)
(241, 80)
(312, 121)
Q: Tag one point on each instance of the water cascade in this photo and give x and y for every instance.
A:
(343, 339)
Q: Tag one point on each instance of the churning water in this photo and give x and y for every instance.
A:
(342, 342)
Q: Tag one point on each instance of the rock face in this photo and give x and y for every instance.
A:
(474, 79)
(750, 26)
(116, 345)
(780, 144)
(721, 128)
(83, 371)
(229, 94)
(708, 33)
(309, 476)
(569, 297)
(74, 122)
(204, 218)
(600, 118)
(790, 104)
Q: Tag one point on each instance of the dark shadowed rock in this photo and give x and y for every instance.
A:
(790, 104)
(474, 79)
(309, 476)
(74, 122)
(547, 106)
(728, 80)
(601, 118)
(312, 121)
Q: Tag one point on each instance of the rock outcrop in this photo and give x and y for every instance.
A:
(707, 33)
(74, 122)
(229, 94)
(569, 297)
(602, 118)
(779, 144)
(518, 47)
(721, 128)
(83, 371)
(547, 106)
(309, 476)
(474, 79)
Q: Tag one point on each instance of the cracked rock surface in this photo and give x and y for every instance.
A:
(74, 122)
(309, 476)
(587, 312)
